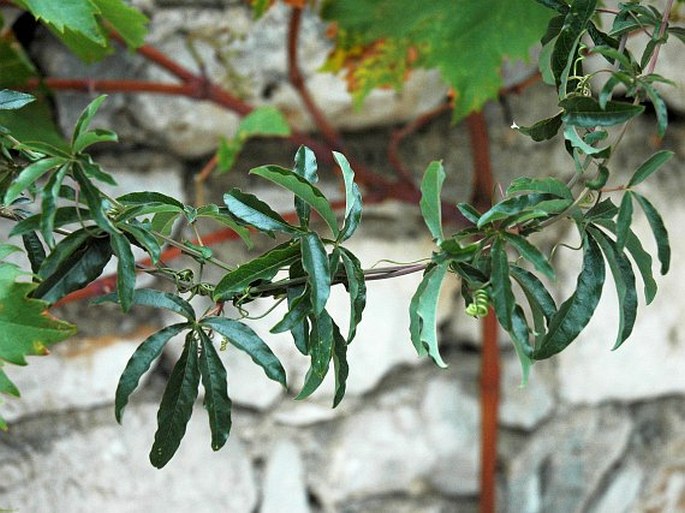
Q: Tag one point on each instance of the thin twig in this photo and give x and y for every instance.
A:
(662, 30)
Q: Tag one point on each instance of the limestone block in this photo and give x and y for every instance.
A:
(565, 462)
(397, 448)
(284, 486)
(524, 407)
(85, 462)
(622, 491)
(80, 373)
(649, 362)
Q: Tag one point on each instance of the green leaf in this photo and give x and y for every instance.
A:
(26, 328)
(575, 313)
(431, 186)
(299, 331)
(87, 139)
(549, 185)
(520, 337)
(585, 112)
(34, 124)
(565, 51)
(148, 197)
(128, 22)
(502, 296)
(649, 166)
(155, 299)
(254, 212)
(177, 403)
(571, 135)
(143, 237)
(623, 220)
(353, 199)
(641, 258)
(656, 223)
(11, 100)
(266, 120)
(356, 288)
(263, 267)
(94, 199)
(624, 279)
(34, 250)
(222, 216)
(49, 203)
(242, 337)
(444, 41)
(523, 204)
(75, 262)
(126, 270)
(139, 363)
(77, 16)
(86, 118)
(301, 188)
(340, 365)
(542, 130)
(600, 180)
(530, 253)
(214, 381)
(299, 307)
(423, 313)
(29, 175)
(306, 167)
(470, 213)
(535, 291)
(315, 263)
(321, 342)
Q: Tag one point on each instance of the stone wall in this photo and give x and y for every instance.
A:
(595, 431)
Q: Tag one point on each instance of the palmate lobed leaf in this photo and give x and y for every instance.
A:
(25, 326)
(444, 32)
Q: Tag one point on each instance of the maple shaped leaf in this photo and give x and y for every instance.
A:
(466, 40)
(26, 328)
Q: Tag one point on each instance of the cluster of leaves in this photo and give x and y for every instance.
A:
(78, 227)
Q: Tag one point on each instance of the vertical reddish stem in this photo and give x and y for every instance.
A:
(481, 197)
(489, 402)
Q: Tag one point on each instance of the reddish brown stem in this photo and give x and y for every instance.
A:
(324, 126)
(400, 134)
(481, 197)
(489, 401)
(483, 182)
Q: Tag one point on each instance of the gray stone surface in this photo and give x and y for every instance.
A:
(565, 461)
(284, 485)
(85, 462)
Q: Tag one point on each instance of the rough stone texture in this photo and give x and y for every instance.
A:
(284, 486)
(396, 448)
(86, 462)
(524, 407)
(623, 490)
(566, 460)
